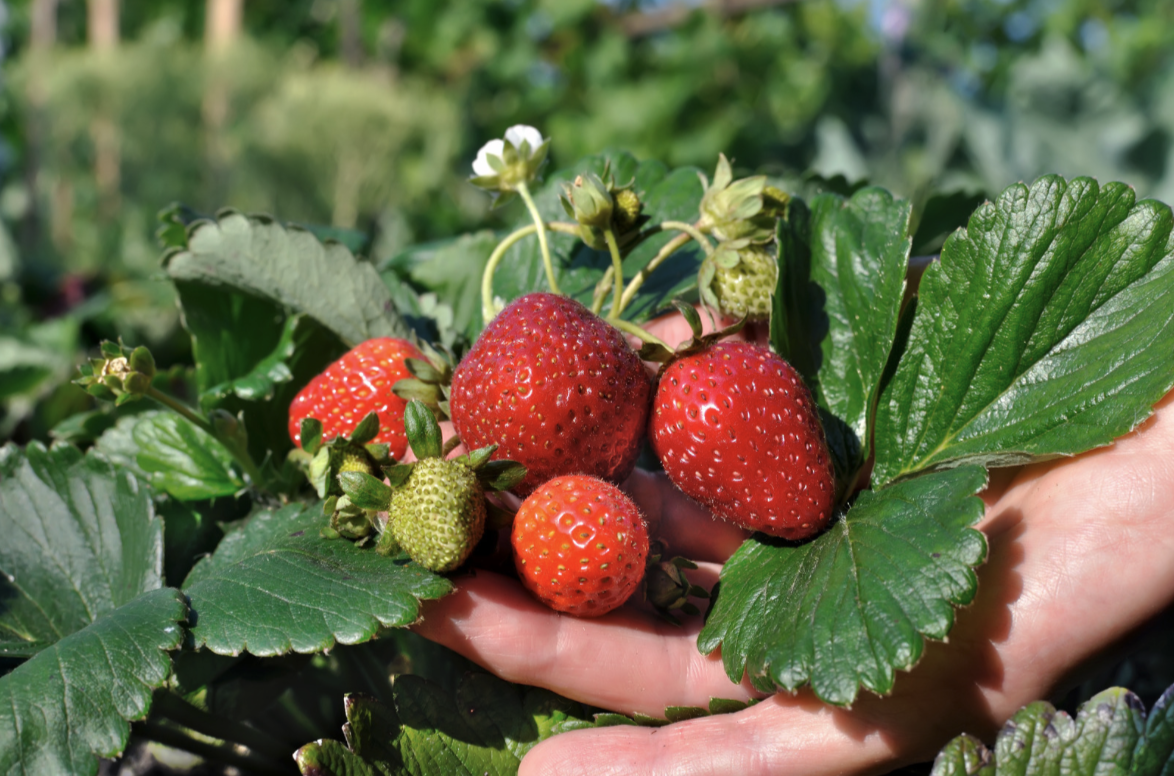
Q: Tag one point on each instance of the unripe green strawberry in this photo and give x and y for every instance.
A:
(743, 289)
(435, 507)
(438, 515)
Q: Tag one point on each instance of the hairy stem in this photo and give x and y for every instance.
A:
(638, 332)
(222, 753)
(176, 709)
(617, 265)
(524, 191)
(692, 231)
(499, 253)
(668, 249)
(491, 267)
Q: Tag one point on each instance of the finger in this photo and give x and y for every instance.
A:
(625, 660)
(686, 527)
(779, 735)
(674, 329)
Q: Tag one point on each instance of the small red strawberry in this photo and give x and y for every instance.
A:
(356, 384)
(556, 388)
(580, 545)
(737, 430)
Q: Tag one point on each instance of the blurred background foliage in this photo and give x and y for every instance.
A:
(364, 115)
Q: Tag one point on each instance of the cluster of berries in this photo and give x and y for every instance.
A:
(555, 388)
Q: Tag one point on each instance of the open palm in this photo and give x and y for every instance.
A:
(1081, 554)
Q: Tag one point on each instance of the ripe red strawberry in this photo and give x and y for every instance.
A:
(557, 388)
(356, 384)
(580, 545)
(737, 430)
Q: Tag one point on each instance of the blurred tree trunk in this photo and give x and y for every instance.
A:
(350, 31)
(42, 38)
(222, 30)
(348, 174)
(102, 31)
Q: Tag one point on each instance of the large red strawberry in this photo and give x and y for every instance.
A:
(580, 545)
(737, 430)
(556, 388)
(356, 384)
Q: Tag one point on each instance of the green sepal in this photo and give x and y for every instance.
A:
(364, 491)
(423, 431)
(141, 361)
(477, 458)
(422, 370)
(381, 452)
(501, 475)
(387, 546)
(397, 474)
(351, 521)
(311, 435)
(689, 313)
(410, 388)
(367, 429)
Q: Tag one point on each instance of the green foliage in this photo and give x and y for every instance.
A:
(849, 607)
(485, 727)
(667, 195)
(275, 585)
(842, 273)
(289, 267)
(1110, 735)
(173, 455)
(1046, 329)
(72, 702)
(81, 539)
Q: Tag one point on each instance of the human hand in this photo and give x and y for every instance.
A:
(1081, 554)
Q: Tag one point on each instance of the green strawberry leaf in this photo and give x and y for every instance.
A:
(71, 704)
(840, 332)
(290, 267)
(1105, 739)
(667, 195)
(486, 727)
(173, 454)
(854, 605)
(275, 585)
(81, 538)
(452, 270)
(260, 382)
(1155, 752)
(1046, 329)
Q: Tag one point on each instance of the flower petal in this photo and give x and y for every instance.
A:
(520, 133)
(481, 164)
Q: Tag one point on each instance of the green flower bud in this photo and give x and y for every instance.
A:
(503, 164)
(588, 201)
(735, 210)
(121, 374)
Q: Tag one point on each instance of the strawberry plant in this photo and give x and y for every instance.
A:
(183, 566)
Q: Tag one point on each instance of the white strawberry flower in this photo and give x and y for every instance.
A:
(504, 165)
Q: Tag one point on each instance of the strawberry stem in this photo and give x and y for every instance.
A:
(638, 332)
(617, 263)
(692, 231)
(524, 191)
(498, 254)
(668, 249)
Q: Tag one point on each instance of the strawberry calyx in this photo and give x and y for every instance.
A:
(667, 587)
(431, 379)
(372, 492)
(697, 343)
